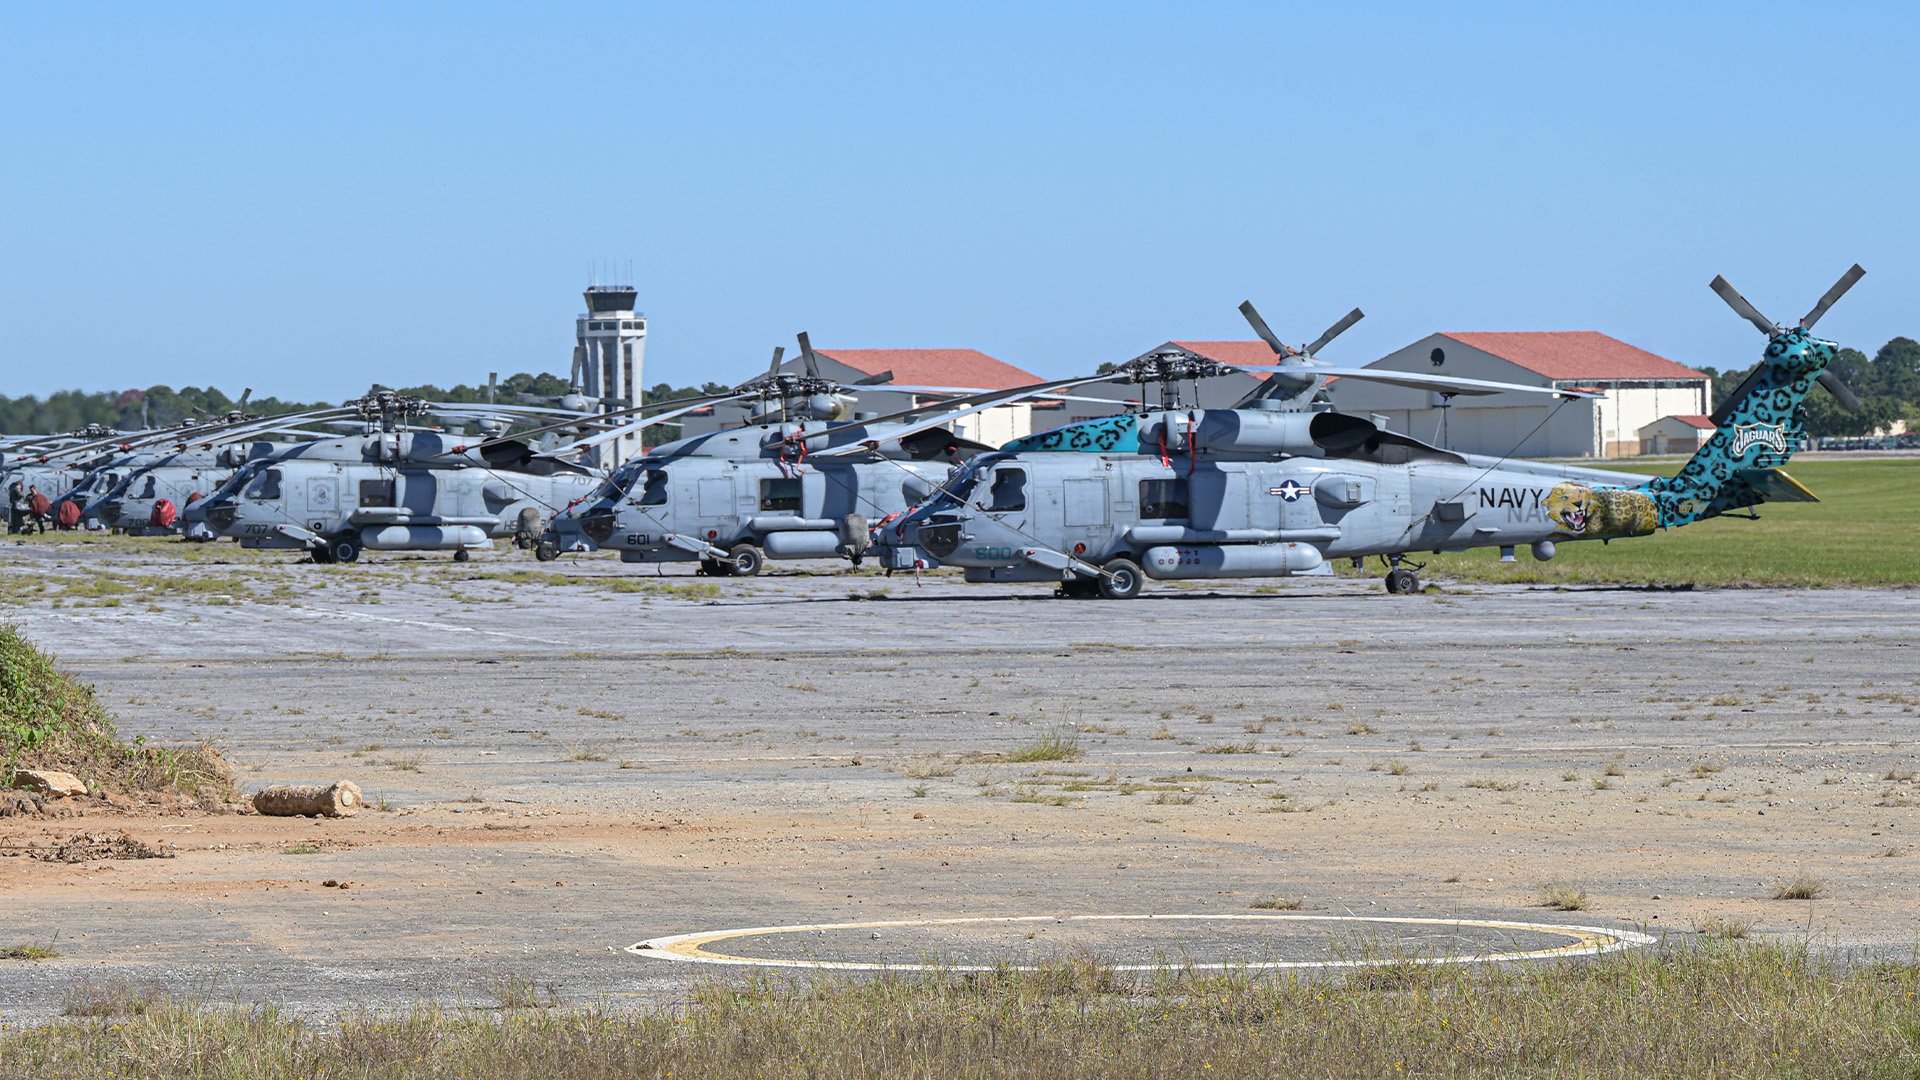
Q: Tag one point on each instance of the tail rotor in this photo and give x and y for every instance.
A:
(1741, 306)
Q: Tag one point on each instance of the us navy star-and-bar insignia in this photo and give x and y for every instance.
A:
(1290, 490)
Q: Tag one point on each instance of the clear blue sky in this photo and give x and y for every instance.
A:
(308, 198)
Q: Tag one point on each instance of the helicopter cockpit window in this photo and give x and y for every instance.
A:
(654, 491)
(266, 485)
(781, 495)
(146, 491)
(376, 493)
(1165, 499)
(1009, 491)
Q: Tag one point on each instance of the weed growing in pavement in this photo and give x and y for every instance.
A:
(1563, 896)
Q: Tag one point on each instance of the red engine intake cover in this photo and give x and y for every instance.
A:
(163, 514)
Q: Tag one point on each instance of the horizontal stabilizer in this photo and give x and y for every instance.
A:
(1774, 485)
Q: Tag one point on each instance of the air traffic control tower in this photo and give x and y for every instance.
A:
(609, 359)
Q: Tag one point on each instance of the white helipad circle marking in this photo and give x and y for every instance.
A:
(1583, 941)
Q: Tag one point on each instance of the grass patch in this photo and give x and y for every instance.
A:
(50, 721)
(29, 952)
(1869, 509)
(1058, 744)
(1278, 903)
(1718, 1009)
(1563, 896)
(1800, 887)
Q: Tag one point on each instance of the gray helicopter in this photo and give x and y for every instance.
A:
(735, 498)
(1099, 507)
(155, 489)
(73, 469)
(395, 487)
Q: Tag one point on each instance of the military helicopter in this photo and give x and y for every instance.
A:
(73, 468)
(395, 486)
(735, 498)
(1179, 494)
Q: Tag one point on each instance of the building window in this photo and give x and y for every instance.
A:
(780, 496)
(1165, 499)
(376, 493)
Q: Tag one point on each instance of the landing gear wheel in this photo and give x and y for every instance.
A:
(1120, 579)
(1401, 582)
(546, 551)
(747, 559)
(1078, 588)
(462, 555)
(344, 549)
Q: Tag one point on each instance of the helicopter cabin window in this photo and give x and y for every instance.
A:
(654, 491)
(376, 493)
(781, 495)
(1009, 491)
(1164, 499)
(266, 485)
(147, 491)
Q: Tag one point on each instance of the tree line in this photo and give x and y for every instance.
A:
(163, 406)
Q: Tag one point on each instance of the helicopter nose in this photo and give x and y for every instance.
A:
(941, 535)
(108, 512)
(598, 525)
(222, 515)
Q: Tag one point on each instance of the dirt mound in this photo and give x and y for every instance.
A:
(88, 847)
(49, 721)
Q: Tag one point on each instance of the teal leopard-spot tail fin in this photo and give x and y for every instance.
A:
(1761, 423)
(1760, 427)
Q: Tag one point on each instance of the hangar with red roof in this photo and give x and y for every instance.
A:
(1638, 388)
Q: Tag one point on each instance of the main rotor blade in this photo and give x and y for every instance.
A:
(1840, 392)
(875, 380)
(624, 429)
(778, 352)
(1741, 307)
(1261, 328)
(1833, 296)
(956, 409)
(1335, 331)
(241, 405)
(806, 352)
(1727, 403)
(666, 403)
(1450, 384)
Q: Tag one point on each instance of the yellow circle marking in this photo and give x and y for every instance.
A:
(1581, 941)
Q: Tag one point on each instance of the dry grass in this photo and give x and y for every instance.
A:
(1278, 903)
(1717, 1009)
(29, 952)
(1059, 744)
(1727, 927)
(1563, 896)
(1800, 887)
